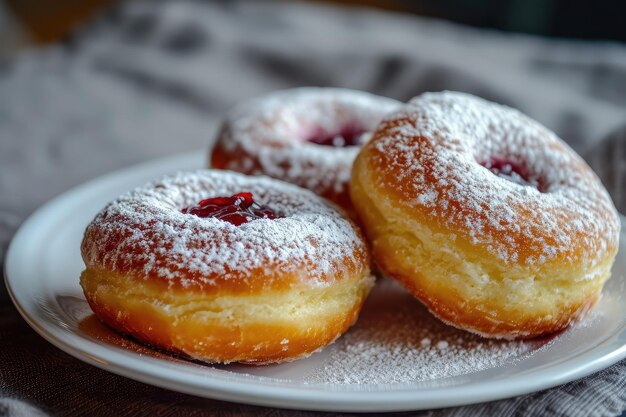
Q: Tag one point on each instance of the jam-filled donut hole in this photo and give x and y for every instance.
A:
(306, 136)
(238, 209)
(514, 170)
(347, 135)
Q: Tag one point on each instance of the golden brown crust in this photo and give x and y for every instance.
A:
(269, 276)
(144, 233)
(484, 254)
(379, 161)
(268, 290)
(554, 297)
(277, 326)
(492, 318)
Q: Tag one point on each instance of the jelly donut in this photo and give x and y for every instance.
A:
(486, 216)
(306, 136)
(221, 267)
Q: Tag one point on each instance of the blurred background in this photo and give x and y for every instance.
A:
(140, 72)
(42, 22)
(117, 82)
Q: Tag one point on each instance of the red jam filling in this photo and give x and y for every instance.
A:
(238, 209)
(514, 171)
(349, 135)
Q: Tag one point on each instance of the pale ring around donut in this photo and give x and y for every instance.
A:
(269, 290)
(484, 252)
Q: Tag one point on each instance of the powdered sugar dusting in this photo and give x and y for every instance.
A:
(434, 147)
(146, 232)
(268, 134)
(396, 340)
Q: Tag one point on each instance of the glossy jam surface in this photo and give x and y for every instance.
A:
(349, 135)
(237, 209)
(515, 172)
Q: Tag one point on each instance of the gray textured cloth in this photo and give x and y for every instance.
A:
(151, 79)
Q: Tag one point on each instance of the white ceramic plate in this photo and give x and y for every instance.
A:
(396, 358)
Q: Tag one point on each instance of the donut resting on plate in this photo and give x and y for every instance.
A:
(486, 216)
(222, 267)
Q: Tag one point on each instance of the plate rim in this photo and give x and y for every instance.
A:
(611, 350)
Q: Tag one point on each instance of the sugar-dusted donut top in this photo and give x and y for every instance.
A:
(428, 155)
(145, 234)
(271, 133)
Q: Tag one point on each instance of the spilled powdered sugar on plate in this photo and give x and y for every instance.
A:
(396, 340)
